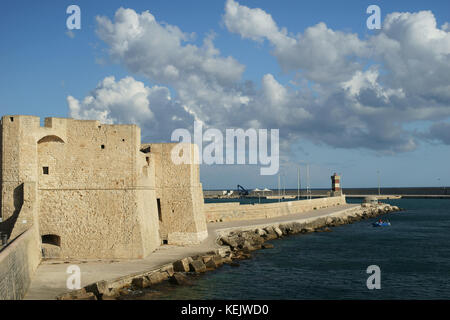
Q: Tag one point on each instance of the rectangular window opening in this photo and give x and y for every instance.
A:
(158, 201)
(45, 170)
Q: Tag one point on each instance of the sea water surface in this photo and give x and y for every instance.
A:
(413, 255)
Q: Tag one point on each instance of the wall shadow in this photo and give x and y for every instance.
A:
(8, 225)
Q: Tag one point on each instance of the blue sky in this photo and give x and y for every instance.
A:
(41, 65)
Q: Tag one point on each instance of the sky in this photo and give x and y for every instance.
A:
(368, 104)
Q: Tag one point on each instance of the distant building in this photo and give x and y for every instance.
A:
(370, 200)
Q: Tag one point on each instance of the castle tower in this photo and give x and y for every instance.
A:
(93, 191)
(83, 186)
(335, 185)
(179, 195)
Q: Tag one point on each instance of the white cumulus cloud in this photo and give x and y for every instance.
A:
(130, 101)
(375, 85)
(348, 92)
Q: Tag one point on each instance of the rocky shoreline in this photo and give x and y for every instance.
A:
(235, 245)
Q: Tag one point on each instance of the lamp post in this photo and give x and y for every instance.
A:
(378, 173)
(308, 187)
(439, 184)
(279, 188)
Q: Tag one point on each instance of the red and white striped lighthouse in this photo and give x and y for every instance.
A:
(335, 185)
(335, 182)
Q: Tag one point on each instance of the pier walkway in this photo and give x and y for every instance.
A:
(51, 276)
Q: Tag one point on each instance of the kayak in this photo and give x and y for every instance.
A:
(381, 224)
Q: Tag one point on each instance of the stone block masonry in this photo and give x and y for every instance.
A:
(180, 197)
(93, 191)
(18, 262)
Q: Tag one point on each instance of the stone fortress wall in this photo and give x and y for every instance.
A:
(18, 262)
(90, 189)
(179, 195)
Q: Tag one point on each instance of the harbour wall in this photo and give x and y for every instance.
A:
(233, 211)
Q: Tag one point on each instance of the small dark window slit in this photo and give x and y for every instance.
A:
(158, 203)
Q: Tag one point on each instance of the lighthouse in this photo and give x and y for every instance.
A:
(336, 185)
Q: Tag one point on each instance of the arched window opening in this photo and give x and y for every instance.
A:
(51, 138)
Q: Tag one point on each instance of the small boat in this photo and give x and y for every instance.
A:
(381, 224)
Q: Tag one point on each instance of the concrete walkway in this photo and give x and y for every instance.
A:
(50, 278)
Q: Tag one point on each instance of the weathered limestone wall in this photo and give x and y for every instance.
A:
(91, 189)
(85, 185)
(27, 217)
(91, 196)
(180, 194)
(105, 224)
(19, 164)
(79, 189)
(148, 220)
(233, 211)
(146, 201)
(18, 262)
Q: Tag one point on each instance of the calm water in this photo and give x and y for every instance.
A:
(413, 254)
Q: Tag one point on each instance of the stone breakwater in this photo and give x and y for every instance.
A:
(236, 244)
(242, 243)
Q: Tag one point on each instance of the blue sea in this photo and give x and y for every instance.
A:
(413, 255)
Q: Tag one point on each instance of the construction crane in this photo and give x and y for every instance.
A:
(242, 191)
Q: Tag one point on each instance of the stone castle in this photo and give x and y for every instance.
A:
(94, 191)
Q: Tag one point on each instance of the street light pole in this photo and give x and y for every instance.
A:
(378, 173)
(279, 188)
